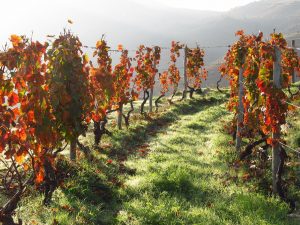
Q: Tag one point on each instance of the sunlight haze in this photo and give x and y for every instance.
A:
(155, 22)
(212, 5)
(114, 17)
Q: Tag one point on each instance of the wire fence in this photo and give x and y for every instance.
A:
(162, 48)
(168, 48)
(290, 148)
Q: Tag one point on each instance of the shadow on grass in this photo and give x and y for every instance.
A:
(127, 142)
(95, 185)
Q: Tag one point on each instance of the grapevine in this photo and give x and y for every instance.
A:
(102, 86)
(124, 93)
(264, 104)
(27, 129)
(69, 88)
(174, 74)
(146, 71)
(195, 71)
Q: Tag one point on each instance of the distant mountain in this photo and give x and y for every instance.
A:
(133, 24)
(217, 29)
(136, 24)
(268, 9)
(265, 15)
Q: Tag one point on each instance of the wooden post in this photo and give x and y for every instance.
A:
(276, 135)
(119, 116)
(151, 92)
(294, 73)
(185, 73)
(240, 117)
(73, 150)
(150, 100)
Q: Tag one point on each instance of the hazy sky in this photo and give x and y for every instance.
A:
(215, 5)
(118, 19)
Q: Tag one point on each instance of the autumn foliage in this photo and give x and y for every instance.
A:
(194, 66)
(102, 82)
(146, 59)
(173, 71)
(265, 105)
(28, 125)
(69, 88)
(123, 74)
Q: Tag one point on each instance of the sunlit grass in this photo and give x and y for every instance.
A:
(179, 180)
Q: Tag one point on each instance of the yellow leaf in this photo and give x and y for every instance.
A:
(86, 58)
(98, 44)
(20, 158)
(15, 39)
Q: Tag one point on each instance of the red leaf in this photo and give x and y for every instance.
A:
(13, 99)
(30, 116)
(39, 177)
(239, 33)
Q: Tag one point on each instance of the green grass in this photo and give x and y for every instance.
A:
(293, 135)
(181, 180)
(171, 168)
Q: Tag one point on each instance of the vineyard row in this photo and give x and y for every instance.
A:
(51, 92)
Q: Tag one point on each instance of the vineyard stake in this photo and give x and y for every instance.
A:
(184, 73)
(276, 135)
(240, 118)
(151, 90)
(294, 74)
(73, 149)
(119, 114)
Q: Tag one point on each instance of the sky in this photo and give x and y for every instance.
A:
(119, 19)
(212, 5)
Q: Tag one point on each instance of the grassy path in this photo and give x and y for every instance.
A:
(170, 168)
(182, 181)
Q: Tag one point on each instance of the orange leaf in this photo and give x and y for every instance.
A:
(246, 176)
(38, 149)
(39, 177)
(30, 116)
(26, 167)
(16, 112)
(13, 99)
(20, 158)
(269, 141)
(21, 134)
(239, 32)
(98, 44)
(15, 40)
(120, 47)
(96, 117)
